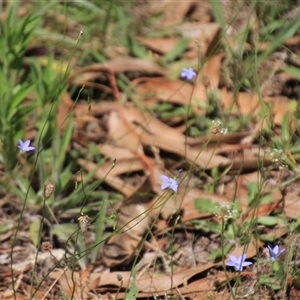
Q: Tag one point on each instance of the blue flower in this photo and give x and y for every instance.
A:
(275, 252)
(24, 146)
(238, 262)
(188, 73)
(169, 183)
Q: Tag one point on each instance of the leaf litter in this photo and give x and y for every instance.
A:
(145, 146)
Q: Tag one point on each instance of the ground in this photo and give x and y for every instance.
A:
(166, 144)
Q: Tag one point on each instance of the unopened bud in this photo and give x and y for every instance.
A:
(48, 190)
(83, 223)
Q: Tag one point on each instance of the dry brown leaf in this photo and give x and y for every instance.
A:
(118, 65)
(210, 73)
(247, 159)
(172, 91)
(173, 14)
(119, 131)
(281, 109)
(160, 45)
(204, 38)
(190, 211)
(294, 293)
(292, 200)
(250, 249)
(239, 190)
(163, 283)
(153, 132)
(158, 283)
(249, 104)
(114, 181)
(76, 284)
(202, 287)
(133, 222)
(201, 157)
(17, 296)
(123, 166)
(232, 138)
(245, 103)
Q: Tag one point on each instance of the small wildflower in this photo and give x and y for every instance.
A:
(238, 262)
(48, 190)
(277, 156)
(169, 183)
(226, 211)
(275, 252)
(83, 223)
(188, 73)
(24, 146)
(218, 128)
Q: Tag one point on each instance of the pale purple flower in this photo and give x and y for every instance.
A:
(169, 183)
(238, 262)
(24, 146)
(275, 252)
(188, 73)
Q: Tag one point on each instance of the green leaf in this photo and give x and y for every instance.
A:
(20, 92)
(286, 135)
(25, 186)
(65, 142)
(35, 231)
(267, 220)
(207, 226)
(137, 49)
(64, 231)
(286, 32)
(295, 72)
(132, 292)
(295, 226)
(271, 282)
(205, 205)
(219, 253)
(179, 49)
(253, 189)
(100, 226)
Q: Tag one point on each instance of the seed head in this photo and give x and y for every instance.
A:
(83, 223)
(48, 190)
(218, 128)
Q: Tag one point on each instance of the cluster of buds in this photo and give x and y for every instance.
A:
(218, 128)
(278, 157)
(226, 211)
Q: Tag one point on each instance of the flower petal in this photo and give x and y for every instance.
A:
(174, 186)
(20, 144)
(276, 250)
(246, 263)
(231, 264)
(242, 257)
(165, 185)
(233, 258)
(164, 177)
(26, 144)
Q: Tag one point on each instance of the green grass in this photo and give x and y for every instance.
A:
(40, 50)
